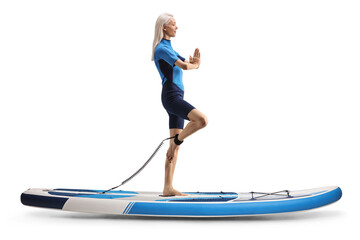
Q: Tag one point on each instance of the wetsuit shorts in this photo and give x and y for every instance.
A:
(173, 101)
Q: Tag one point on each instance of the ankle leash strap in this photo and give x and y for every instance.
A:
(177, 141)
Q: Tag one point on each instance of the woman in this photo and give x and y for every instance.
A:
(170, 65)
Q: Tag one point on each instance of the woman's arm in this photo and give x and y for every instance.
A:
(194, 62)
(186, 65)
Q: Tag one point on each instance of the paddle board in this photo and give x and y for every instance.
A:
(196, 204)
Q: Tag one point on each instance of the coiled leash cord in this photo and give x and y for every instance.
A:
(177, 142)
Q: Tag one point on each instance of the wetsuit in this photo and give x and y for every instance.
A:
(172, 95)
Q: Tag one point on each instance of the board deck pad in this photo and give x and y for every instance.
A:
(195, 204)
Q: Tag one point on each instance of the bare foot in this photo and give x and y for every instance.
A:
(172, 192)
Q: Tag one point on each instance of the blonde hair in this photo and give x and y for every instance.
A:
(162, 20)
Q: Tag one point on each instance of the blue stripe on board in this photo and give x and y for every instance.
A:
(128, 207)
(131, 205)
(220, 199)
(43, 201)
(211, 193)
(103, 196)
(199, 199)
(235, 208)
(100, 196)
(92, 190)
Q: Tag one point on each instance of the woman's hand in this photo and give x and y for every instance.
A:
(193, 63)
(196, 58)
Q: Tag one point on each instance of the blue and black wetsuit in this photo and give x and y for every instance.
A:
(172, 95)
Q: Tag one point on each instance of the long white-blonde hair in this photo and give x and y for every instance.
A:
(162, 20)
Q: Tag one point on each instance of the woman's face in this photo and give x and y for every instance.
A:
(171, 28)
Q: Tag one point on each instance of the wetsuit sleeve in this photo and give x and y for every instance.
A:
(169, 56)
(179, 56)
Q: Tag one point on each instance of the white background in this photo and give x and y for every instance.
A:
(80, 108)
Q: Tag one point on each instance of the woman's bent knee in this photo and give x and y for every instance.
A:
(203, 121)
(198, 118)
